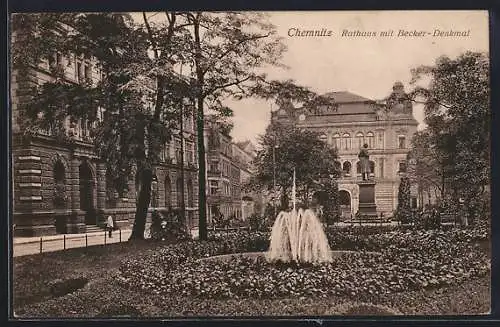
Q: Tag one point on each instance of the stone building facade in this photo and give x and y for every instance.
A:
(228, 169)
(244, 153)
(59, 185)
(386, 127)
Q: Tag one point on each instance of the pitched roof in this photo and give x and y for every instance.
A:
(351, 104)
(354, 109)
(346, 97)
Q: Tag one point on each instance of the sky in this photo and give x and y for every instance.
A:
(367, 66)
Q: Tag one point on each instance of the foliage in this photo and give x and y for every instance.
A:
(418, 259)
(258, 222)
(285, 148)
(168, 225)
(105, 295)
(144, 89)
(430, 218)
(456, 143)
(403, 211)
(331, 201)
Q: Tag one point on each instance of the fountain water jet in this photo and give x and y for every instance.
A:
(298, 236)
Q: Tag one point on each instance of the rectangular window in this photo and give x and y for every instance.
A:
(402, 167)
(178, 153)
(381, 140)
(401, 142)
(79, 72)
(214, 187)
(59, 59)
(214, 166)
(55, 60)
(189, 153)
(87, 72)
(413, 202)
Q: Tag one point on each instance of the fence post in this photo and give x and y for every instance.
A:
(64, 241)
(120, 230)
(86, 241)
(40, 244)
(104, 237)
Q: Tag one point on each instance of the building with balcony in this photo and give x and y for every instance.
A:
(61, 186)
(386, 127)
(228, 169)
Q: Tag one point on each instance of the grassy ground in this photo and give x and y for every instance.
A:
(103, 297)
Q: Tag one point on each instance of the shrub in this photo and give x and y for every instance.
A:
(403, 211)
(168, 225)
(332, 205)
(258, 222)
(406, 260)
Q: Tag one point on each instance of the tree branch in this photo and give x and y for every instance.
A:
(233, 48)
(235, 82)
(150, 34)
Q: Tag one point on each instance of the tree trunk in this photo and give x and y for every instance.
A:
(202, 226)
(146, 177)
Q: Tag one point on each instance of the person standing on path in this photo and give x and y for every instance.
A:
(110, 225)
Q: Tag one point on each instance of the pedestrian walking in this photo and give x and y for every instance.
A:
(110, 225)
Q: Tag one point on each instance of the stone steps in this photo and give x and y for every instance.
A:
(93, 229)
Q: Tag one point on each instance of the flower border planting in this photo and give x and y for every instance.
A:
(409, 260)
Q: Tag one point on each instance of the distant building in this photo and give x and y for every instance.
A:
(387, 128)
(60, 186)
(244, 153)
(228, 169)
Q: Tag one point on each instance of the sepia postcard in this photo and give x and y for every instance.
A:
(250, 164)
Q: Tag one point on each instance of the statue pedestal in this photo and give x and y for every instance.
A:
(367, 207)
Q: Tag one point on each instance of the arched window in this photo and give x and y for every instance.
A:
(346, 168)
(336, 140)
(59, 173)
(360, 139)
(168, 192)
(370, 140)
(346, 141)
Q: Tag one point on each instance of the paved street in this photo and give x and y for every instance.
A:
(31, 245)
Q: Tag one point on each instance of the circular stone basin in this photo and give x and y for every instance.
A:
(255, 255)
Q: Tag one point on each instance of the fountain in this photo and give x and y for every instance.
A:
(298, 236)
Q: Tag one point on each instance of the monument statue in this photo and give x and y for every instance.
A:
(364, 162)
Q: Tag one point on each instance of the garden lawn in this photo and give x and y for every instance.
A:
(106, 295)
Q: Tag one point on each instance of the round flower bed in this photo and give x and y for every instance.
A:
(408, 260)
